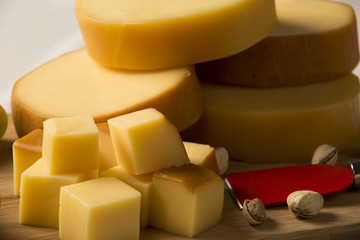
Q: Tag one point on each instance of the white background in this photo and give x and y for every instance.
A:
(33, 32)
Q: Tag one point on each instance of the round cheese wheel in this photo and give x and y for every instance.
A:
(314, 41)
(142, 34)
(74, 84)
(279, 124)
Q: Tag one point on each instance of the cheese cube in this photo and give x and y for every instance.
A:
(107, 157)
(202, 155)
(70, 144)
(26, 151)
(146, 141)
(186, 200)
(103, 208)
(40, 190)
(142, 183)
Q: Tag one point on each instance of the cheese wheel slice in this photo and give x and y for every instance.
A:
(73, 84)
(314, 41)
(141, 34)
(279, 124)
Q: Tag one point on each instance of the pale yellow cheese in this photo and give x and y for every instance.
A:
(142, 183)
(141, 34)
(314, 41)
(279, 124)
(202, 155)
(71, 144)
(145, 141)
(40, 190)
(26, 151)
(186, 200)
(107, 157)
(73, 84)
(103, 208)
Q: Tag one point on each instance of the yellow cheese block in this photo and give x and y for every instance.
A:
(71, 144)
(26, 151)
(103, 208)
(107, 157)
(145, 141)
(142, 183)
(279, 124)
(202, 155)
(40, 191)
(73, 84)
(314, 41)
(186, 200)
(139, 34)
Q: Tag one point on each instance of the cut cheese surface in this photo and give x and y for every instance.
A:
(313, 41)
(279, 124)
(73, 84)
(202, 155)
(159, 34)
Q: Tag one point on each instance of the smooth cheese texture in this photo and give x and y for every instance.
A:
(279, 124)
(186, 200)
(314, 41)
(71, 144)
(145, 141)
(73, 84)
(202, 155)
(138, 34)
(107, 158)
(40, 191)
(103, 208)
(26, 151)
(142, 183)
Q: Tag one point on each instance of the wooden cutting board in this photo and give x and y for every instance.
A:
(339, 219)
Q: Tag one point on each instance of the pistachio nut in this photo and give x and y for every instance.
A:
(254, 211)
(306, 204)
(325, 154)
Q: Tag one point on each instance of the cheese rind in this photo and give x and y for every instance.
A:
(26, 151)
(164, 34)
(279, 124)
(73, 84)
(145, 141)
(40, 191)
(70, 144)
(186, 200)
(103, 208)
(314, 41)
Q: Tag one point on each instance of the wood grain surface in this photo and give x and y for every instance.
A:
(339, 219)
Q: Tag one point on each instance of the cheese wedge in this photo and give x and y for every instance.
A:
(186, 200)
(145, 141)
(279, 124)
(73, 84)
(26, 151)
(314, 41)
(142, 183)
(202, 155)
(139, 34)
(103, 208)
(40, 191)
(71, 144)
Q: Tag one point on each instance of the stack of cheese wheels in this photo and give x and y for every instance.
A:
(280, 99)
(139, 54)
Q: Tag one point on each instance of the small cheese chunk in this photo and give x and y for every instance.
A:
(314, 41)
(186, 200)
(103, 208)
(142, 183)
(202, 155)
(26, 151)
(73, 84)
(71, 144)
(107, 157)
(279, 124)
(146, 141)
(139, 34)
(40, 190)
